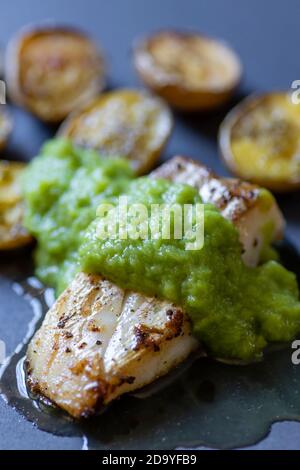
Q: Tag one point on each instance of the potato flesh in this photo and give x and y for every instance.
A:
(12, 233)
(123, 123)
(190, 71)
(192, 61)
(265, 141)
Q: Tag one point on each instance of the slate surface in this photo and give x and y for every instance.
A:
(265, 34)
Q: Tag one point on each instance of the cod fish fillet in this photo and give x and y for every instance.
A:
(237, 200)
(99, 341)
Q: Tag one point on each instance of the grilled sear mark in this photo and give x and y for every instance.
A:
(238, 201)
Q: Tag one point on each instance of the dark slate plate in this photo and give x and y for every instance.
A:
(208, 404)
(191, 407)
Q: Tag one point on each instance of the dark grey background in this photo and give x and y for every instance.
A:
(265, 33)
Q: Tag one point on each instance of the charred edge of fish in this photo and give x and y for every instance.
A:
(175, 322)
(144, 338)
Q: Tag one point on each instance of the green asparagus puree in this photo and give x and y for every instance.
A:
(235, 310)
(63, 187)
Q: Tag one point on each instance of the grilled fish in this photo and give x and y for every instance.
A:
(238, 201)
(99, 341)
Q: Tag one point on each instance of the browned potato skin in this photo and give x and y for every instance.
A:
(39, 52)
(12, 233)
(6, 125)
(178, 93)
(142, 160)
(224, 143)
(1, 62)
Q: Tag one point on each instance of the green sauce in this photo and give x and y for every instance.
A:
(63, 187)
(235, 310)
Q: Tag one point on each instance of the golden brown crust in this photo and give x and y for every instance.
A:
(189, 70)
(127, 123)
(51, 70)
(12, 233)
(6, 125)
(151, 338)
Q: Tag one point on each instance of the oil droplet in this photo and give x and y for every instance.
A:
(85, 443)
(21, 378)
(32, 291)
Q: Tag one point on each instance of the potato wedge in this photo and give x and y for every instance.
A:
(12, 233)
(126, 123)
(190, 71)
(260, 141)
(1, 61)
(6, 125)
(51, 70)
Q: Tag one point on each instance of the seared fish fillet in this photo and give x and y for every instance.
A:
(237, 200)
(99, 341)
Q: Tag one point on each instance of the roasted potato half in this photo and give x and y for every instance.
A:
(1, 62)
(126, 123)
(260, 141)
(12, 232)
(190, 71)
(51, 70)
(6, 125)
